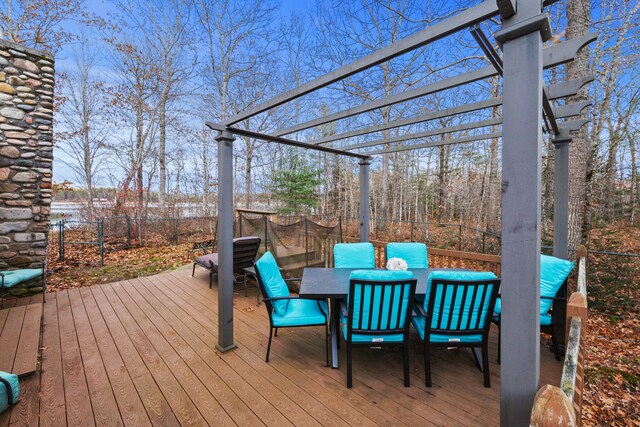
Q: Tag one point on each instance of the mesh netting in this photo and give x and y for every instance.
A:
(295, 242)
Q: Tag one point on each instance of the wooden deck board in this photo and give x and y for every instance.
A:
(52, 403)
(26, 361)
(142, 352)
(10, 337)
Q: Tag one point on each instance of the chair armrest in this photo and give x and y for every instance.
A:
(293, 280)
(554, 298)
(281, 298)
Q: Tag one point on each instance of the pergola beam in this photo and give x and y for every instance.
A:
(425, 134)
(479, 13)
(467, 108)
(284, 141)
(552, 56)
(440, 85)
(471, 138)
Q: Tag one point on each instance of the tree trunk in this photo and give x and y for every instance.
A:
(162, 165)
(580, 172)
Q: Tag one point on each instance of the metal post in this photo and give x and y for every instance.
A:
(365, 207)
(521, 212)
(61, 240)
(128, 231)
(306, 242)
(101, 240)
(266, 235)
(561, 200)
(225, 242)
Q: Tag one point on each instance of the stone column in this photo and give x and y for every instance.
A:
(26, 154)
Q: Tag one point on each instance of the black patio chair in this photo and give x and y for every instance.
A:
(457, 313)
(379, 313)
(245, 250)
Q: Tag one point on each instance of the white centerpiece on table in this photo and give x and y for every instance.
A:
(397, 264)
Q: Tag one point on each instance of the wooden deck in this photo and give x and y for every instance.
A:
(142, 352)
(20, 338)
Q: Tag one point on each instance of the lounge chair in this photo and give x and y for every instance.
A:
(245, 250)
(11, 278)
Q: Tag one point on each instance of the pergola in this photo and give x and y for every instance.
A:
(529, 108)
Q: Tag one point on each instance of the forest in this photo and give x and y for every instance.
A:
(136, 80)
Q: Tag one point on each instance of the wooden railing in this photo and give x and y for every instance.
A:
(562, 406)
(444, 258)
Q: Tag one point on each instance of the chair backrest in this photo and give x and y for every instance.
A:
(354, 255)
(271, 283)
(380, 302)
(553, 278)
(553, 275)
(245, 250)
(460, 303)
(415, 254)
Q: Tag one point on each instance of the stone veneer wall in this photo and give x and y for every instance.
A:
(26, 154)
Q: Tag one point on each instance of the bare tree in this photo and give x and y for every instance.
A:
(82, 119)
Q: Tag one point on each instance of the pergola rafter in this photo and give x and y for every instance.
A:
(524, 29)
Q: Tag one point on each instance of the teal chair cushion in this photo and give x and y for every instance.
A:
(302, 312)
(15, 277)
(376, 275)
(545, 319)
(466, 308)
(415, 254)
(553, 272)
(273, 283)
(10, 380)
(354, 255)
(418, 321)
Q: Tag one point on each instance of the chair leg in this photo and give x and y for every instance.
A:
(349, 367)
(44, 290)
(210, 280)
(485, 365)
(276, 334)
(554, 343)
(427, 365)
(193, 272)
(405, 362)
(269, 345)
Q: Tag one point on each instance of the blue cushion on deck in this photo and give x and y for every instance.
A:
(415, 254)
(15, 277)
(301, 312)
(466, 308)
(354, 255)
(10, 380)
(273, 283)
(379, 276)
(553, 272)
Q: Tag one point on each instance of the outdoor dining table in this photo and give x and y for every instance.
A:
(333, 283)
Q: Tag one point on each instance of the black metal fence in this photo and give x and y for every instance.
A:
(109, 234)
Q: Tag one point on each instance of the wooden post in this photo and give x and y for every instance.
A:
(225, 242)
(522, 37)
